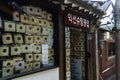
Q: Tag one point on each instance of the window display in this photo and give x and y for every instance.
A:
(27, 41)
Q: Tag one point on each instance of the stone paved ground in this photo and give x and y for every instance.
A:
(111, 78)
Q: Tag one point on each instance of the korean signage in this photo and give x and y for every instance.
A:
(76, 21)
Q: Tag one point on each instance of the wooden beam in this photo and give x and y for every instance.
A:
(5, 9)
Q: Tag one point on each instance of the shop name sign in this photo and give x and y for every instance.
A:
(74, 20)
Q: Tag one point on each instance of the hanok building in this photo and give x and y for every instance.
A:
(50, 39)
(106, 34)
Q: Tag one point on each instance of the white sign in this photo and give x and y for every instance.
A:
(45, 53)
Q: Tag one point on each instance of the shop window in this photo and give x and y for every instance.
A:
(110, 49)
(27, 42)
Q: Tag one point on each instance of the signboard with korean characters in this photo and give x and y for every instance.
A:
(76, 20)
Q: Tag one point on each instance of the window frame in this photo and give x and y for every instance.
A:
(106, 50)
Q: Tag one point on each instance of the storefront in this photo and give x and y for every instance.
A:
(49, 38)
(76, 28)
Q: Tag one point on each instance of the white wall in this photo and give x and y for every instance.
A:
(52, 74)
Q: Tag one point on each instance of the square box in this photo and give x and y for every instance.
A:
(51, 59)
(8, 63)
(16, 16)
(37, 57)
(20, 28)
(67, 40)
(50, 24)
(7, 71)
(49, 16)
(28, 39)
(4, 51)
(39, 21)
(25, 48)
(24, 18)
(18, 38)
(68, 73)
(37, 29)
(19, 65)
(68, 60)
(7, 38)
(36, 65)
(29, 29)
(33, 20)
(37, 39)
(9, 26)
(44, 14)
(45, 23)
(38, 11)
(44, 39)
(67, 67)
(37, 49)
(15, 50)
(51, 52)
(67, 52)
(29, 57)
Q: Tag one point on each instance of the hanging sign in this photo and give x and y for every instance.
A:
(76, 20)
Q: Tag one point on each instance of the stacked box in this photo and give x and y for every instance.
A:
(78, 53)
(21, 41)
(67, 53)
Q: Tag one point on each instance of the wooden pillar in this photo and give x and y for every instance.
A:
(117, 58)
(61, 45)
(96, 54)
